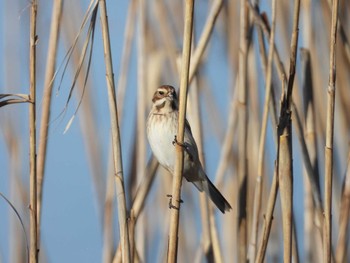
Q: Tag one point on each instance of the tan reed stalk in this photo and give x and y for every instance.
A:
(108, 236)
(258, 186)
(307, 162)
(310, 140)
(141, 118)
(167, 37)
(32, 135)
(19, 245)
(310, 170)
(126, 54)
(176, 191)
(117, 156)
(295, 251)
(286, 189)
(343, 34)
(140, 196)
(268, 218)
(285, 153)
(196, 127)
(327, 233)
(228, 140)
(205, 37)
(340, 253)
(262, 23)
(46, 104)
(242, 133)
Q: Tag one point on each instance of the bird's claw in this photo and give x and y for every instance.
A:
(171, 202)
(175, 141)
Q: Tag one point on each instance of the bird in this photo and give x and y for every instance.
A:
(161, 129)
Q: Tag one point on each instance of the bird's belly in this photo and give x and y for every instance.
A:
(160, 139)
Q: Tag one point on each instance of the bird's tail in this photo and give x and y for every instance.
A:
(215, 195)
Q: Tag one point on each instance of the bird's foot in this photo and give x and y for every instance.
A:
(185, 146)
(171, 202)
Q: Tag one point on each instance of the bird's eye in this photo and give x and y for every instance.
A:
(161, 92)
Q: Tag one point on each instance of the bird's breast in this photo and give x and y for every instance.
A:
(161, 133)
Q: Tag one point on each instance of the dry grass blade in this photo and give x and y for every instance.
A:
(45, 117)
(125, 60)
(327, 230)
(32, 136)
(89, 42)
(117, 157)
(18, 98)
(91, 11)
(177, 179)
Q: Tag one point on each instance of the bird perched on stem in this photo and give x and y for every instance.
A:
(162, 127)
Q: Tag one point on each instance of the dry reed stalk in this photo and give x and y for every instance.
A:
(196, 127)
(117, 156)
(340, 254)
(19, 245)
(108, 235)
(242, 133)
(285, 153)
(228, 140)
(258, 186)
(285, 174)
(295, 251)
(217, 251)
(141, 118)
(268, 218)
(342, 32)
(32, 135)
(327, 227)
(167, 36)
(140, 196)
(310, 213)
(310, 138)
(205, 37)
(177, 180)
(126, 55)
(46, 104)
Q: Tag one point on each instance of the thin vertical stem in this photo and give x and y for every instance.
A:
(205, 37)
(268, 218)
(327, 240)
(258, 188)
(285, 152)
(242, 133)
(177, 180)
(117, 155)
(45, 118)
(141, 118)
(32, 136)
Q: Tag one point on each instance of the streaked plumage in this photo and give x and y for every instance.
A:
(162, 126)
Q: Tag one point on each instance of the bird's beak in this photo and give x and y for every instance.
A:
(171, 95)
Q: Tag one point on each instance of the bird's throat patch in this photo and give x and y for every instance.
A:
(160, 106)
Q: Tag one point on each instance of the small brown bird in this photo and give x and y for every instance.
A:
(162, 127)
